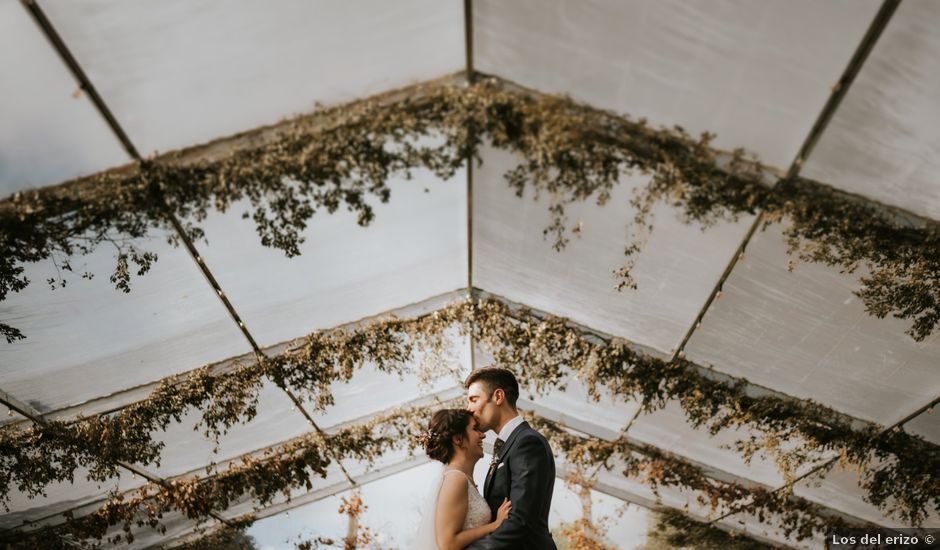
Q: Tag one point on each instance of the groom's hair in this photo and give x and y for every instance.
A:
(496, 378)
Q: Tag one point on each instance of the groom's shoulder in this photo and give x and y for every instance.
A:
(531, 432)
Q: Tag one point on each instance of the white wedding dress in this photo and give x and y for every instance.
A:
(478, 511)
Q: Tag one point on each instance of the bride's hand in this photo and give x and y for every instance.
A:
(503, 512)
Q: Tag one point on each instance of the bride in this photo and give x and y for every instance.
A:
(455, 513)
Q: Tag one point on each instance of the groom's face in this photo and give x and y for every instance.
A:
(480, 402)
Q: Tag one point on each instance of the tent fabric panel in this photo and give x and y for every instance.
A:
(606, 418)
(926, 425)
(805, 334)
(573, 408)
(675, 272)
(371, 391)
(414, 248)
(736, 68)
(123, 398)
(639, 492)
(178, 73)
(669, 430)
(839, 490)
(188, 451)
(51, 131)
(883, 142)
(89, 340)
(333, 482)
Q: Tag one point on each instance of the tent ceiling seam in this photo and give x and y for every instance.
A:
(470, 75)
(468, 39)
(58, 44)
(836, 95)
(864, 48)
(928, 409)
(841, 88)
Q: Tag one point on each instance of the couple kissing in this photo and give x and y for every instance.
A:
(512, 511)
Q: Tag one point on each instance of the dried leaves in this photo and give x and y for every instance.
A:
(265, 478)
(36, 456)
(898, 470)
(343, 157)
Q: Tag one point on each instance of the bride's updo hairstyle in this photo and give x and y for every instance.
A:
(444, 425)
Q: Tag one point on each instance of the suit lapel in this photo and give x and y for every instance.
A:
(487, 483)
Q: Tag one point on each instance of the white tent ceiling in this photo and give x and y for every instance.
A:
(178, 73)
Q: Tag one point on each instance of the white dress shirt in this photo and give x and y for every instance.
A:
(509, 427)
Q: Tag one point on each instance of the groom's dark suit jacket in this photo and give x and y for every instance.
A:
(525, 473)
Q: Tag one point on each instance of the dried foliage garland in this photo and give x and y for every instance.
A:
(343, 156)
(796, 517)
(40, 454)
(263, 478)
(897, 469)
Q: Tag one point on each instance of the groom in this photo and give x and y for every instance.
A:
(523, 468)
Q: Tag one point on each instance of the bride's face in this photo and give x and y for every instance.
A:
(473, 440)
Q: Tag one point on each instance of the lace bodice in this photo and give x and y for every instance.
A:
(478, 511)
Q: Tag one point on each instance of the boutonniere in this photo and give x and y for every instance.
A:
(497, 447)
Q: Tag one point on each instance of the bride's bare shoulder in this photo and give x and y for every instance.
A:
(453, 486)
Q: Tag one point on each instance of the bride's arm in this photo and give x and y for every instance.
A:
(451, 513)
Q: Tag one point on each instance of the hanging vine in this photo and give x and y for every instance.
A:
(344, 157)
(262, 478)
(794, 516)
(897, 470)
(35, 456)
